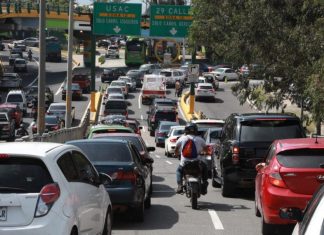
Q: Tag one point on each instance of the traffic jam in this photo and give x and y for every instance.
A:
(163, 152)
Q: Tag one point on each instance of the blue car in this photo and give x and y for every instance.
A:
(131, 177)
(162, 131)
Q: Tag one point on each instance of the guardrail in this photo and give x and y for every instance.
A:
(62, 135)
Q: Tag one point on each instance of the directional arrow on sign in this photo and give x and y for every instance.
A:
(173, 31)
(117, 29)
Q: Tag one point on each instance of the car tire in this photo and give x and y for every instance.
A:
(151, 133)
(256, 209)
(225, 79)
(138, 212)
(74, 231)
(227, 188)
(215, 184)
(108, 223)
(147, 202)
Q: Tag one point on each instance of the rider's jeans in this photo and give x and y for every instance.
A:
(204, 174)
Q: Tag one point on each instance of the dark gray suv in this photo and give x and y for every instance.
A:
(245, 138)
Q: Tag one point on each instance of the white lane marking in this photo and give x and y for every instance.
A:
(32, 83)
(143, 128)
(170, 163)
(60, 88)
(142, 116)
(140, 100)
(157, 156)
(215, 219)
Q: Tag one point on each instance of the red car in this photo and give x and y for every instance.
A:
(292, 171)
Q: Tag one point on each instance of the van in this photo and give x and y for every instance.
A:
(18, 97)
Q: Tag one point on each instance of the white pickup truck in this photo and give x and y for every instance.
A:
(154, 86)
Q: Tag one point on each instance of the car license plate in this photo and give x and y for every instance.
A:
(3, 213)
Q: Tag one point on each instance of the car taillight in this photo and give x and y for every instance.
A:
(235, 155)
(131, 176)
(126, 113)
(56, 127)
(275, 178)
(47, 196)
(173, 140)
(209, 150)
(160, 134)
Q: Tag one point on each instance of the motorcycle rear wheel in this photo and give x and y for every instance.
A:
(194, 200)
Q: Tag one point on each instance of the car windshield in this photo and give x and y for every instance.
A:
(166, 74)
(117, 83)
(20, 61)
(97, 152)
(269, 130)
(205, 87)
(114, 90)
(23, 175)
(14, 98)
(302, 158)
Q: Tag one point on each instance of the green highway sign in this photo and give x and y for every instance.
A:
(169, 21)
(117, 18)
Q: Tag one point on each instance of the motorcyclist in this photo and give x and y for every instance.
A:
(30, 54)
(191, 132)
(177, 87)
(22, 131)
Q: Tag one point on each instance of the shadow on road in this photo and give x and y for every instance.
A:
(152, 219)
(162, 190)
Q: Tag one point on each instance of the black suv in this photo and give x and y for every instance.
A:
(112, 74)
(160, 114)
(244, 142)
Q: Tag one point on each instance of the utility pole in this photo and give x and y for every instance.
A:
(41, 69)
(68, 99)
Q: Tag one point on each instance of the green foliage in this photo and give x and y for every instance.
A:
(284, 36)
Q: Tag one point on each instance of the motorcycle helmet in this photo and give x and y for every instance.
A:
(191, 128)
(22, 125)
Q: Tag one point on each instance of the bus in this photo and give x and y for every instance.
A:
(135, 51)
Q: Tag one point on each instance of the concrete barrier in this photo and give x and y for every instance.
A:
(94, 115)
(185, 108)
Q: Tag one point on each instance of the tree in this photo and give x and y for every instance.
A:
(284, 36)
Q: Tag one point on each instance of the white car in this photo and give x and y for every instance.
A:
(172, 75)
(209, 78)
(121, 84)
(131, 83)
(31, 42)
(112, 51)
(113, 96)
(226, 74)
(172, 137)
(51, 188)
(113, 90)
(20, 65)
(205, 91)
(59, 109)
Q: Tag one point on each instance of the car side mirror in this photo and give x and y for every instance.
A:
(104, 179)
(292, 213)
(150, 149)
(260, 166)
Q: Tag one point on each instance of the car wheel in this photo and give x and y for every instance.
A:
(108, 223)
(147, 202)
(74, 231)
(138, 212)
(224, 79)
(227, 188)
(215, 184)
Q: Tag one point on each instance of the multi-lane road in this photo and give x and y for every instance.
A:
(171, 213)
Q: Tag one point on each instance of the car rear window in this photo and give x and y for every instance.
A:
(23, 175)
(116, 104)
(79, 78)
(208, 125)
(112, 130)
(132, 139)
(97, 152)
(14, 98)
(302, 158)
(165, 115)
(167, 127)
(267, 130)
(20, 62)
(178, 132)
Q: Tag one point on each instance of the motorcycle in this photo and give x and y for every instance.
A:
(192, 181)
(21, 132)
